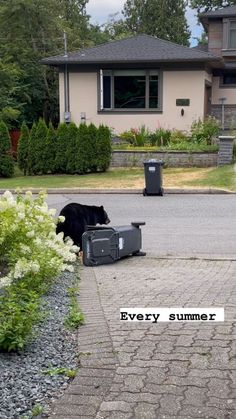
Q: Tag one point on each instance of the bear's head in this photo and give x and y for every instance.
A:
(103, 217)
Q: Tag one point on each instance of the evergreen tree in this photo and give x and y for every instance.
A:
(23, 149)
(104, 148)
(61, 149)
(91, 148)
(50, 150)
(6, 159)
(31, 162)
(162, 18)
(71, 148)
(39, 147)
(207, 5)
(82, 165)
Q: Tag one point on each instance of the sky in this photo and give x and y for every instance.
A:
(99, 10)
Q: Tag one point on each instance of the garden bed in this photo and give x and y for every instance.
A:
(26, 386)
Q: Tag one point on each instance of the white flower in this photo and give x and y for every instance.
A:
(52, 211)
(61, 218)
(70, 268)
(39, 218)
(30, 234)
(21, 215)
(8, 195)
(5, 282)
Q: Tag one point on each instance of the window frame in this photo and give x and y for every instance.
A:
(223, 85)
(227, 50)
(147, 72)
(230, 29)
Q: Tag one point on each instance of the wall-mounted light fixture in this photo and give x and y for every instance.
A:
(182, 112)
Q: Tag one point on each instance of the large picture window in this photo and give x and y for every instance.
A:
(129, 89)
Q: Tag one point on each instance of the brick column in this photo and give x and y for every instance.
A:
(225, 153)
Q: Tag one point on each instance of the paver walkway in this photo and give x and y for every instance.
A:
(154, 371)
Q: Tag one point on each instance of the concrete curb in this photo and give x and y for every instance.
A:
(122, 191)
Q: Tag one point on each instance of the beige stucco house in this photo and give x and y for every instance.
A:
(147, 81)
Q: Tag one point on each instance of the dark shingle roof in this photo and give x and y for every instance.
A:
(140, 48)
(223, 12)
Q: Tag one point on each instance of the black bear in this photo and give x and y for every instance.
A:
(77, 216)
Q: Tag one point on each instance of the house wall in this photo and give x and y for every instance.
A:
(229, 104)
(217, 92)
(215, 37)
(176, 85)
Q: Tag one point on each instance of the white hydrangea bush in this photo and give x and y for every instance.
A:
(28, 241)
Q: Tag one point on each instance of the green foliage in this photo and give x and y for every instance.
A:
(34, 255)
(234, 152)
(178, 136)
(160, 137)
(188, 145)
(6, 160)
(92, 147)
(104, 148)
(19, 310)
(60, 371)
(23, 149)
(71, 148)
(75, 318)
(50, 150)
(36, 411)
(38, 148)
(136, 136)
(205, 130)
(9, 81)
(162, 18)
(32, 161)
(199, 140)
(31, 30)
(61, 147)
(82, 164)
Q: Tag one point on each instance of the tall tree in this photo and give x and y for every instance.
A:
(6, 160)
(29, 31)
(162, 18)
(23, 149)
(207, 5)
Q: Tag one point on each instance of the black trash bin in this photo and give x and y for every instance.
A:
(103, 245)
(153, 177)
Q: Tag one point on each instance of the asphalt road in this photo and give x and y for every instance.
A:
(176, 225)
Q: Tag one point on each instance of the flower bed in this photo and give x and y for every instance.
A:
(34, 256)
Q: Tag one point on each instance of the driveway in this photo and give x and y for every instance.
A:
(164, 370)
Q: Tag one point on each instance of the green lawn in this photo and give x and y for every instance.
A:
(220, 177)
(223, 177)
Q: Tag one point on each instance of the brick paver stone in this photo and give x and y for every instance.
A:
(163, 370)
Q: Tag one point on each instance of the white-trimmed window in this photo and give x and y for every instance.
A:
(130, 90)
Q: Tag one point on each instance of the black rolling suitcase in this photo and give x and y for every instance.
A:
(103, 245)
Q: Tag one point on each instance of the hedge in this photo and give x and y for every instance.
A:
(69, 149)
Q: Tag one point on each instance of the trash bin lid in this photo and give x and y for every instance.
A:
(153, 161)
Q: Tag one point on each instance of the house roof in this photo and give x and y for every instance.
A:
(229, 11)
(140, 48)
